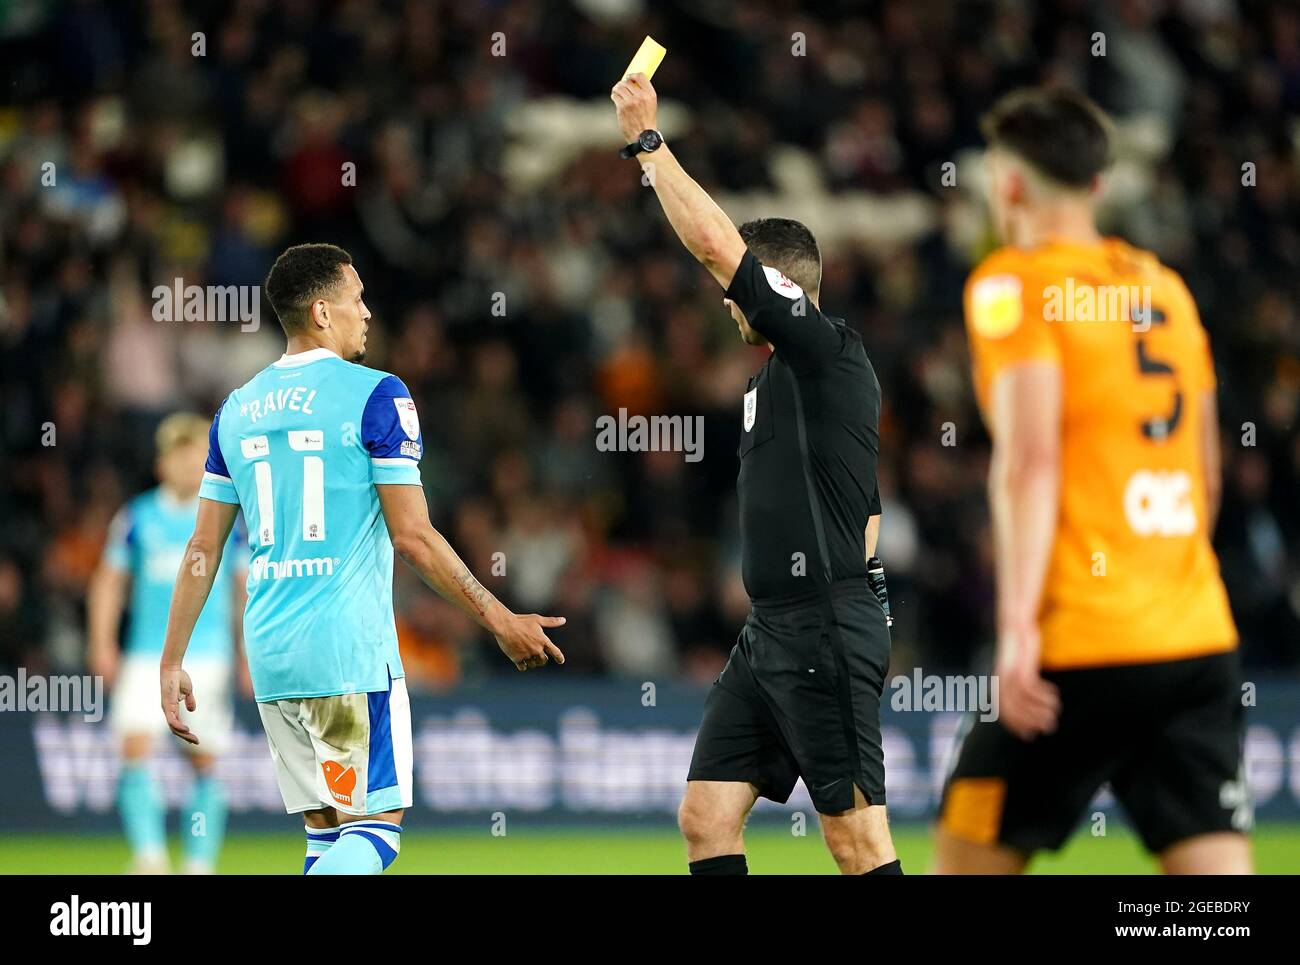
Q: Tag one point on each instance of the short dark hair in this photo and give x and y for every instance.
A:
(788, 246)
(1060, 132)
(299, 276)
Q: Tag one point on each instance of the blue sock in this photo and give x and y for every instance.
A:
(206, 817)
(319, 841)
(363, 848)
(142, 811)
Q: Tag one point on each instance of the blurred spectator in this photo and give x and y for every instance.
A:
(524, 284)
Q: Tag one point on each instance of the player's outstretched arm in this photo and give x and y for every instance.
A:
(703, 227)
(193, 584)
(521, 637)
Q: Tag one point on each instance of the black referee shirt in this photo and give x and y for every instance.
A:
(808, 445)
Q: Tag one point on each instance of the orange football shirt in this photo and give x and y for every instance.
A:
(1132, 577)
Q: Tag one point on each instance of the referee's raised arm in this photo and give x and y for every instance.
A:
(703, 227)
(769, 307)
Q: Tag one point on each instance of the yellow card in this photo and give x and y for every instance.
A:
(647, 59)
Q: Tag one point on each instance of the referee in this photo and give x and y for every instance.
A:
(800, 695)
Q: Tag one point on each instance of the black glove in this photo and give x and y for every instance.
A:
(876, 580)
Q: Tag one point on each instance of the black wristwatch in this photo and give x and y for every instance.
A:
(646, 141)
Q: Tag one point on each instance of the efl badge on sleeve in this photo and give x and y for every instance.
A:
(781, 285)
(408, 417)
(996, 305)
(751, 408)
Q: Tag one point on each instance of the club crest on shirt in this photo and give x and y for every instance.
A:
(408, 417)
(751, 408)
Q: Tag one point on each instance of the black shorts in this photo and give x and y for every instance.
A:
(800, 697)
(1167, 737)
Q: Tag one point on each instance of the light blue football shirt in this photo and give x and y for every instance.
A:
(301, 448)
(147, 539)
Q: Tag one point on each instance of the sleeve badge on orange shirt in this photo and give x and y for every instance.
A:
(996, 305)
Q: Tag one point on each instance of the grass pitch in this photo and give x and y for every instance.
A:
(600, 851)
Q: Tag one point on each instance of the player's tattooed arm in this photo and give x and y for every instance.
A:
(702, 226)
(521, 637)
(473, 591)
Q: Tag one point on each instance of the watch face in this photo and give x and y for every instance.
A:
(650, 140)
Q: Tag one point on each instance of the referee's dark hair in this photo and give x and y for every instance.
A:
(299, 276)
(1060, 132)
(789, 247)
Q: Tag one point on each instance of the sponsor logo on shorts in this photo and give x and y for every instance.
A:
(340, 781)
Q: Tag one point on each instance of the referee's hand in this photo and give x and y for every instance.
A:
(525, 642)
(637, 104)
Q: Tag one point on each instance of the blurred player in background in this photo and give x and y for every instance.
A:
(323, 455)
(145, 548)
(1116, 649)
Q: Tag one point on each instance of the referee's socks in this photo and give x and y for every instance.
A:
(894, 867)
(723, 864)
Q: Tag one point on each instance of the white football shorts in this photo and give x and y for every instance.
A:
(350, 751)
